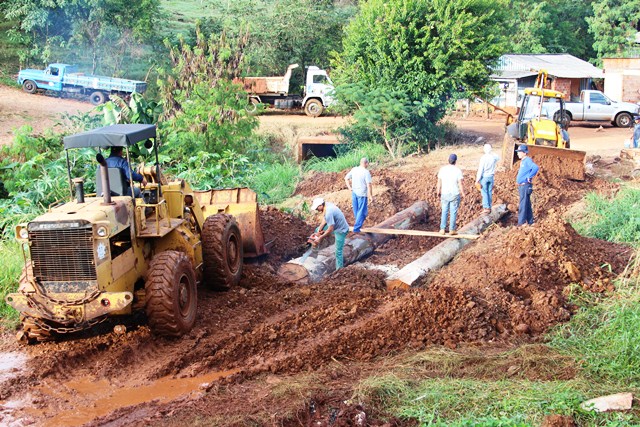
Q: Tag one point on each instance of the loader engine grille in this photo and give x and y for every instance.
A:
(64, 254)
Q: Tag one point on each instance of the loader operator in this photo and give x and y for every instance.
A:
(335, 221)
(116, 160)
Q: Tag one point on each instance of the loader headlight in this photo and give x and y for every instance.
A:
(101, 231)
(23, 233)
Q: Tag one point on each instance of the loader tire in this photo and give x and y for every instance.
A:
(29, 86)
(313, 108)
(97, 98)
(564, 120)
(222, 252)
(170, 294)
(31, 333)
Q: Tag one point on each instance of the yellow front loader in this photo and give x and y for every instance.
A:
(111, 254)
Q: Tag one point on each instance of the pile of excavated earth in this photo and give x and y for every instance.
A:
(509, 286)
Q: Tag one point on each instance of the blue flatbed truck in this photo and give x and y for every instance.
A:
(64, 78)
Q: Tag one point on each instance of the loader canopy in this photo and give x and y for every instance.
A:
(111, 136)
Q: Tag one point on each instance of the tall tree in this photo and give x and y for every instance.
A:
(418, 54)
(614, 25)
(553, 26)
(104, 32)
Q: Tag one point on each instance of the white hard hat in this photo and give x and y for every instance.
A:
(317, 202)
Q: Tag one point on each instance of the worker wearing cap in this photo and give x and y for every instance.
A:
(358, 180)
(528, 169)
(636, 132)
(450, 191)
(335, 223)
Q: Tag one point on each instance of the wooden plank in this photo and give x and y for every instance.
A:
(377, 230)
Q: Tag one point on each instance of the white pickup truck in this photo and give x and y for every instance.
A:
(593, 106)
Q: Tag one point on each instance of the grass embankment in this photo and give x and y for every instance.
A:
(9, 59)
(12, 262)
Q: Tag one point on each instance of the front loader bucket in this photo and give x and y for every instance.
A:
(242, 203)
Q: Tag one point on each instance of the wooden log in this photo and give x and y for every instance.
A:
(442, 253)
(376, 230)
(314, 267)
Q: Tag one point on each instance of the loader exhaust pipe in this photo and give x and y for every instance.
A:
(79, 183)
(104, 176)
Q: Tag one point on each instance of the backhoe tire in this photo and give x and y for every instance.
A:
(565, 120)
(222, 252)
(624, 120)
(29, 86)
(171, 294)
(31, 333)
(97, 98)
(313, 108)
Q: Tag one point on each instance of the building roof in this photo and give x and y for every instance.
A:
(558, 65)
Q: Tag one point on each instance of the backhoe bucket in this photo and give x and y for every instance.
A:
(242, 203)
(562, 162)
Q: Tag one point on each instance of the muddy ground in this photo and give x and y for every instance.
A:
(272, 353)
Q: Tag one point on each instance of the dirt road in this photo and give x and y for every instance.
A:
(41, 112)
(272, 353)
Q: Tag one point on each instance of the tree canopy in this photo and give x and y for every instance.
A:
(421, 53)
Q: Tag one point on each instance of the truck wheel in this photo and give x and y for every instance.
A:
(97, 98)
(564, 121)
(31, 333)
(221, 252)
(313, 108)
(29, 86)
(252, 107)
(170, 294)
(623, 120)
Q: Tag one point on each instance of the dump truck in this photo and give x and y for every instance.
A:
(546, 137)
(274, 92)
(64, 78)
(107, 255)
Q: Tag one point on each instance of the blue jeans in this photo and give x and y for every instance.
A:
(525, 211)
(486, 188)
(340, 237)
(360, 211)
(449, 202)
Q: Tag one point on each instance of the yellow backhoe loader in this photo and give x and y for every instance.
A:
(546, 137)
(92, 258)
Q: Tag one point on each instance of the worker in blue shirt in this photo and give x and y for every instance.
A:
(528, 169)
(636, 132)
(116, 160)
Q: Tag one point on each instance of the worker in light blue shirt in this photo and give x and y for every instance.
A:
(528, 169)
(335, 222)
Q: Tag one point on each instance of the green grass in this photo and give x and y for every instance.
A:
(615, 220)
(605, 335)
(276, 182)
(10, 269)
(347, 159)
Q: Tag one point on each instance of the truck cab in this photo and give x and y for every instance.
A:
(51, 78)
(318, 87)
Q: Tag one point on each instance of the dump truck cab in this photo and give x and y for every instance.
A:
(109, 255)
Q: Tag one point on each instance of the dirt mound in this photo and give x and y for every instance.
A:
(287, 232)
